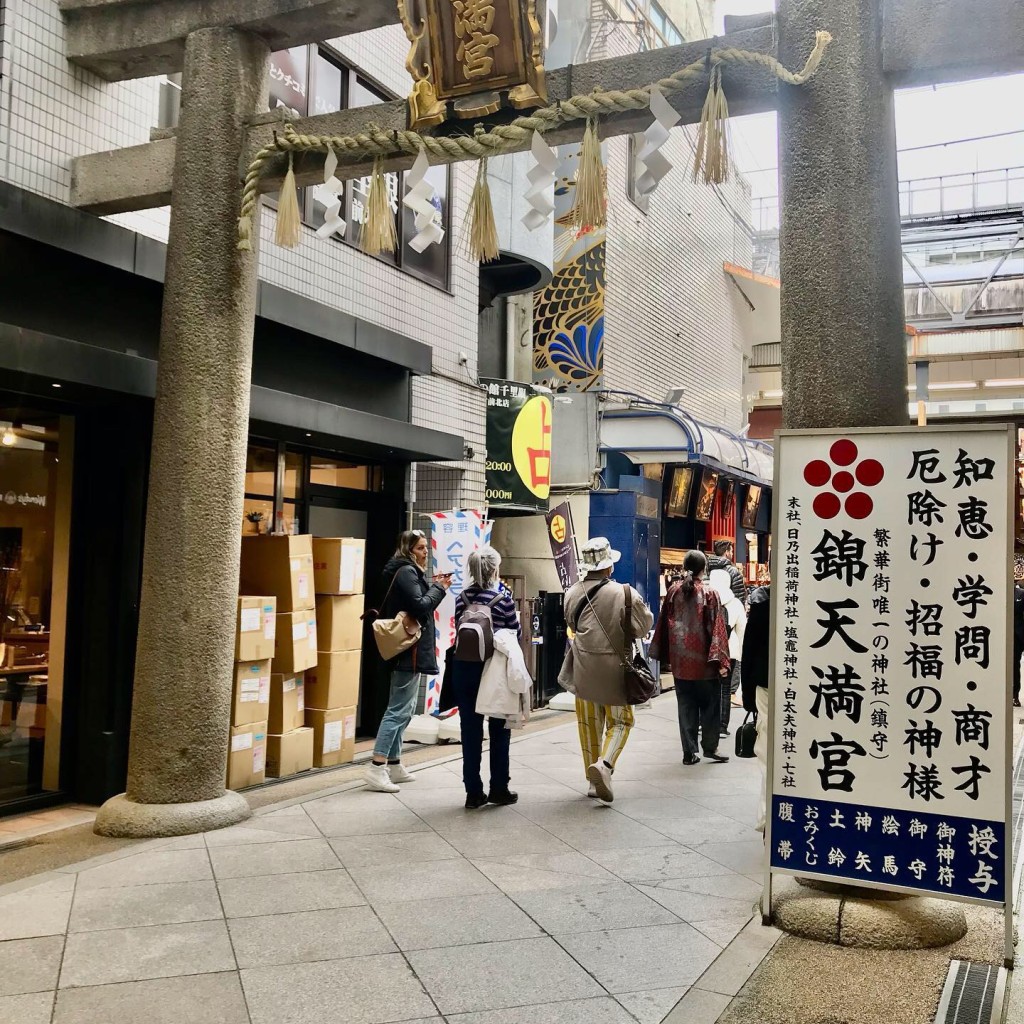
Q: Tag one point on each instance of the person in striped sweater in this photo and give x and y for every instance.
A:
(485, 588)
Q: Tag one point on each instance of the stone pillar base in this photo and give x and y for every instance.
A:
(126, 819)
(913, 922)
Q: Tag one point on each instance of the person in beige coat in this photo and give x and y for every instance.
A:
(595, 613)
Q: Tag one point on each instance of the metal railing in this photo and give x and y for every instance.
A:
(948, 195)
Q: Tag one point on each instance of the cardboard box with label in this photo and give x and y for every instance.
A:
(334, 681)
(296, 644)
(289, 753)
(334, 735)
(251, 692)
(339, 624)
(247, 755)
(338, 565)
(287, 703)
(255, 628)
(282, 566)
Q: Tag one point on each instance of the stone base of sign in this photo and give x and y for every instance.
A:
(842, 916)
(126, 819)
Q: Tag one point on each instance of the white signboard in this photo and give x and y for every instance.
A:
(891, 603)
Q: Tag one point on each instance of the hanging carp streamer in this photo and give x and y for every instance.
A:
(379, 145)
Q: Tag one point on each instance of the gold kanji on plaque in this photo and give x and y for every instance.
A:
(473, 54)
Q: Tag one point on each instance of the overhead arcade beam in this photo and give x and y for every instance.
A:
(121, 39)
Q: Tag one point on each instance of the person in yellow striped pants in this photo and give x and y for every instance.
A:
(595, 611)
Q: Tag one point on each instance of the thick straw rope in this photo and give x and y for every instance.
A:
(375, 142)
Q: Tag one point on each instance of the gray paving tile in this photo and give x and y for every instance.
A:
(261, 895)
(529, 872)
(393, 883)
(730, 971)
(696, 832)
(659, 862)
(699, 906)
(497, 842)
(394, 848)
(735, 887)
(742, 808)
(496, 975)
(661, 807)
(455, 817)
(607, 832)
(456, 921)
(334, 824)
(28, 914)
(722, 930)
(250, 835)
(652, 1006)
(136, 954)
(147, 869)
(698, 1007)
(198, 999)
(615, 905)
(273, 858)
(745, 858)
(364, 990)
(601, 1010)
(26, 1009)
(683, 954)
(137, 905)
(30, 965)
(290, 820)
(307, 937)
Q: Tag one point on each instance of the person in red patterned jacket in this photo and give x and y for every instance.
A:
(693, 636)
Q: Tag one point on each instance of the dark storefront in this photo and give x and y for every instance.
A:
(330, 447)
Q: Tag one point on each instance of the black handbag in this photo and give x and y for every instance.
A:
(746, 734)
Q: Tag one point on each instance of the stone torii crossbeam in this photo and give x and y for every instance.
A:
(843, 359)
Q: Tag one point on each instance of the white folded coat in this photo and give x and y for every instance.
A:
(505, 684)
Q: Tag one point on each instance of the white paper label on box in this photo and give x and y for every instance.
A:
(300, 630)
(350, 726)
(249, 691)
(304, 585)
(250, 620)
(348, 567)
(296, 564)
(259, 758)
(332, 737)
(264, 689)
(243, 742)
(288, 685)
(302, 698)
(312, 635)
(269, 625)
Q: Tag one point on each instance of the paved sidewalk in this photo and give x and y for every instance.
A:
(368, 908)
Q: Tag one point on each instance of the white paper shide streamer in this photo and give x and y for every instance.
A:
(420, 197)
(652, 165)
(329, 193)
(541, 177)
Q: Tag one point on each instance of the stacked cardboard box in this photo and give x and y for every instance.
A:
(250, 705)
(332, 687)
(283, 566)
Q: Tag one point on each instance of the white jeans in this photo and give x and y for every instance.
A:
(761, 749)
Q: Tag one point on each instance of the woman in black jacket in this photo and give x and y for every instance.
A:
(756, 671)
(405, 590)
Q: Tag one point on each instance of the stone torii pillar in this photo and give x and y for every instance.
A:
(185, 645)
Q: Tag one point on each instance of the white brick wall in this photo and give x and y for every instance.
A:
(51, 112)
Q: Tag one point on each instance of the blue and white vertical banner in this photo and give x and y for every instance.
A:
(891, 591)
(453, 536)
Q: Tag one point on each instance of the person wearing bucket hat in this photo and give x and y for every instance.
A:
(595, 610)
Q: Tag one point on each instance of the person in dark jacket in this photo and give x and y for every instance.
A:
(1018, 628)
(756, 669)
(406, 590)
(723, 559)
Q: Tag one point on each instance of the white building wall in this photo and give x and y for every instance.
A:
(51, 112)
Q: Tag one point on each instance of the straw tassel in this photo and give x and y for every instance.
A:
(379, 234)
(483, 234)
(590, 208)
(712, 159)
(289, 221)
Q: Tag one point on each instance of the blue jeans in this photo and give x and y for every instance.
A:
(405, 688)
(466, 682)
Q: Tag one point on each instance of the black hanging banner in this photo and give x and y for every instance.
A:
(562, 538)
(518, 474)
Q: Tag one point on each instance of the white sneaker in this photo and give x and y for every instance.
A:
(377, 779)
(592, 792)
(600, 777)
(399, 774)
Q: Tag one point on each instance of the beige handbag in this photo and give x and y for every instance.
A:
(393, 636)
